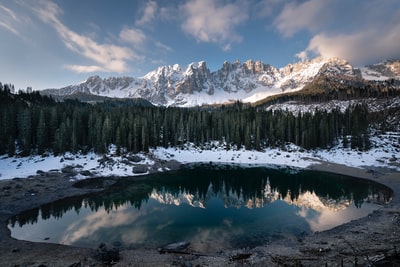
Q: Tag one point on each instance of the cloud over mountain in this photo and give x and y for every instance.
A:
(360, 32)
(71, 39)
(108, 57)
(211, 21)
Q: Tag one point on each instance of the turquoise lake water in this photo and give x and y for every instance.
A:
(213, 207)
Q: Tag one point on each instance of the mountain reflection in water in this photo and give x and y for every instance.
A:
(223, 205)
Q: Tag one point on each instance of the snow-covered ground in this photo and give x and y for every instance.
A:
(385, 153)
(374, 105)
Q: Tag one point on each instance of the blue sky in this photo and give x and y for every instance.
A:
(48, 44)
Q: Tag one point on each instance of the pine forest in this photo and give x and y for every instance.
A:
(35, 124)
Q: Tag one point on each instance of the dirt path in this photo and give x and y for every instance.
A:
(369, 241)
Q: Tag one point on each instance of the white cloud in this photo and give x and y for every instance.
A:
(361, 48)
(212, 21)
(9, 12)
(361, 32)
(311, 15)
(148, 13)
(303, 55)
(168, 13)
(108, 57)
(8, 19)
(163, 47)
(133, 36)
(9, 27)
(227, 47)
(265, 8)
(83, 69)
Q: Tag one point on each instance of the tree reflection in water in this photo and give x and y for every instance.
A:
(317, 196)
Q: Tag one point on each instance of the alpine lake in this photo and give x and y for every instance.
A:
(214, 207)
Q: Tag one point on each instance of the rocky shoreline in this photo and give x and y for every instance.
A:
(370, 241)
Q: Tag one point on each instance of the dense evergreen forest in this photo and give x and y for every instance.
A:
(34, 124)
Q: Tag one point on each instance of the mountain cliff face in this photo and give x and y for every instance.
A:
(249, 81)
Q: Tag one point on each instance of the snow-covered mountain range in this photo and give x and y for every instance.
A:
(249, 81)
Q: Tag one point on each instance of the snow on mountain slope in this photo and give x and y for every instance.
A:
(382, 71)
(249, 82)
(292, 77)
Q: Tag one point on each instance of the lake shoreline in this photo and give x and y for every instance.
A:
(364, 241)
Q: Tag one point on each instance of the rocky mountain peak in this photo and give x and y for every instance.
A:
(256, 67)
(290, 69)
(251, 81)
(93, 79)
(196, 67)
(338, 67)
(228, 66)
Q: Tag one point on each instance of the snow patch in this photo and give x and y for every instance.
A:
(385, 152)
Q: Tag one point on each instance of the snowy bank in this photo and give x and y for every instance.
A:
(385, 152)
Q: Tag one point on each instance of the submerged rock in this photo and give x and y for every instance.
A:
(174, 247)
(70, 170)
(106, 255)
(138, 169)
